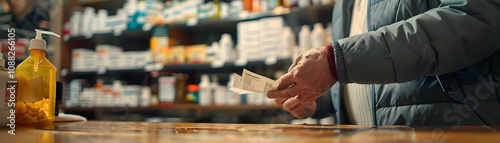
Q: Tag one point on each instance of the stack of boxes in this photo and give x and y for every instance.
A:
(259, 39)
(108, 57)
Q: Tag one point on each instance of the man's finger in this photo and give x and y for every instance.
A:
(290, 103)
(295, 62)
(280, 101)
(284, 93)
(285, 81)
(298, 110)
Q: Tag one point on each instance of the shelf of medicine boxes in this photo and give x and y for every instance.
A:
(301, 16)
(175, 106)
(295, 18)
(186, 67)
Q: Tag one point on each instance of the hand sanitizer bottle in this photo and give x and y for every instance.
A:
(36, 85)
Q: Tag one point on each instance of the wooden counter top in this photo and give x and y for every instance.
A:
(124, 132)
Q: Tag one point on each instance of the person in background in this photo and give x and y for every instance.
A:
(402, 62)
(26, 16)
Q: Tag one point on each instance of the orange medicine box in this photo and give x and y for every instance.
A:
(177, 55)
(196, 54)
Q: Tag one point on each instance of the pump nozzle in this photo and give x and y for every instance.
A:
(39, 42)
(40, 32)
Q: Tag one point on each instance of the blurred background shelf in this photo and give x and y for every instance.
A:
(301, 16)
(206, 68)
(176, 106)
(184, 33)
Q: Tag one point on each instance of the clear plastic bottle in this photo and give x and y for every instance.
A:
(205, 92)
(287, 43)
(226, 48)
(305, 38)
(36, 85)
(318, 38)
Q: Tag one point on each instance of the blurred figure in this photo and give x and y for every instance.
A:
(26, 16)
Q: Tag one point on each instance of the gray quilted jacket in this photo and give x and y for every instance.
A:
(430, 62)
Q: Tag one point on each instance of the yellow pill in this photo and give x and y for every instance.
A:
(23, 110)
(37, 104)
(28, 106)
(35, 109)
(29, 120)
(20, 105)
(45, 106)
(40, 115)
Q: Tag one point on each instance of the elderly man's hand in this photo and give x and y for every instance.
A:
(308, 78)
(297, 109)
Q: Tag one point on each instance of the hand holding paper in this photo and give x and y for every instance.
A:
(308, 78)
(251, 82)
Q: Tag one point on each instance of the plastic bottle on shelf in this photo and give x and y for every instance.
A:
(205, 91)
(98, 98)
(211, 52)
(236, 7)
(304, 3)
(102, 16)
(37, 79)
(224, 9)
(76, 23)
(318, 36)
(218, 97)
(131, 8)
(87, 21)
(287, 43)
(193, 95)
(226, 48)
(141, 14)
(305, 38)
(144, 100)
(117, 93)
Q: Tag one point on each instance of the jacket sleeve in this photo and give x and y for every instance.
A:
(439, 41)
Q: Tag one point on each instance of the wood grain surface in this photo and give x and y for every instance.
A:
(125, 132)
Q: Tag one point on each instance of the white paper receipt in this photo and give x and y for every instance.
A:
(251, 82)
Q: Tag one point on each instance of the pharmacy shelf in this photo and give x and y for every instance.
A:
(227, 65)
(175, 106)
(187, 67)
(81, 73)
(306, 15)
(84, 2)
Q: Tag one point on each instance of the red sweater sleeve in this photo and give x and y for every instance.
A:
(331, 60)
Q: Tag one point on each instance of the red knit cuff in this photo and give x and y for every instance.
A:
(331, 60)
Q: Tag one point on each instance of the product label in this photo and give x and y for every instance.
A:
(251, 82)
